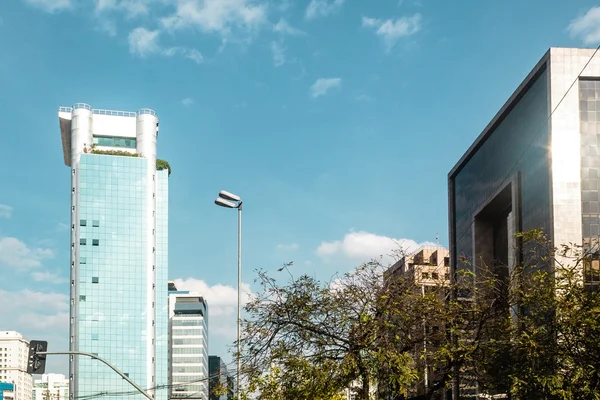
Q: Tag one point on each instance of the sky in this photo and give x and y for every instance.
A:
(336, 121)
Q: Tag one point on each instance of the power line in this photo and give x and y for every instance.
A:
(510, 172)
(154, 388)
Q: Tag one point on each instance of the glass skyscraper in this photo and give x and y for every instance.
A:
(119, 251)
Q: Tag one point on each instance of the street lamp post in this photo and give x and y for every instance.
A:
(229, 200)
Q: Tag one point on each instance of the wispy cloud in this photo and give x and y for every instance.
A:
(288, 247)
(284, 28)
(363, 97)
(5, 211)
(323, 8)
(586, 27)
(278, 51)
(16, 254)
(144, 42)
(48, 277)
(324, 85)
(50, 6)
(61, 227)
(392, 30)
(188, 101)
(219, 16)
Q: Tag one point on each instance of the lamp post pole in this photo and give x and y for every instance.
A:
(230, 200)
(239, 290)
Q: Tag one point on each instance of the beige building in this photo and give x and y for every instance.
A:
(51, 387)
(429, 269)
(429, 266)
(14, 350)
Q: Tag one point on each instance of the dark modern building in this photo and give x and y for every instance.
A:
(218, 378)
(535, 165)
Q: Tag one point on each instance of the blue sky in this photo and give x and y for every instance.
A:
(336, 121)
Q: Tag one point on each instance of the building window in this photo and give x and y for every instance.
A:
(82, 222)
(435, 275)
(82, 242)
(95, 223)
(95, 242)
(425, 275)
(114, 141)
(95, 279)
(94, 336)
(82, 260)
(81, 297)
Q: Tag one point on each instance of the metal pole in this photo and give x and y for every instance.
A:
(239, 311)
(122, 375)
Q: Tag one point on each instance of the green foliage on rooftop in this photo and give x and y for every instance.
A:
(163, 164)
(114, 153)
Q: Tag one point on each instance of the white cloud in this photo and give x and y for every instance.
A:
(219, 16)
(50, 6)
(190, 54)
(14, 253)
(587, 26)
(392, 30)
(47, 276)
(363, 246)
(288, 247)
(323, 8)
(143, 42)
(5, 211)
(103, 5)
(39, 315)
(33, 302)
(221, 299)
(278, 51)
(131, 8)
(283, 27)
(188, 101)
(323, 85)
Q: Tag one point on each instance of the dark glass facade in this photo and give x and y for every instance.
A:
(589, 116)
(517, 144)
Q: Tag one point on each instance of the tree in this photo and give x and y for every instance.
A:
(310, 339)
(529, 331)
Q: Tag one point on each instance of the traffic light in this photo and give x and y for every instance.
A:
(36, 363)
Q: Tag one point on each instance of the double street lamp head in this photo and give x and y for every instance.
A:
(228, 200)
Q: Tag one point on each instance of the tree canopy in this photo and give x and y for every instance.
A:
(530, 333)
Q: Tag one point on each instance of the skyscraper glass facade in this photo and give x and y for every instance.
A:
(112, 260)
(119, 252)
(162, 269)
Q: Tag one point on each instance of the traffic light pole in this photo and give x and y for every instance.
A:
(81, 353)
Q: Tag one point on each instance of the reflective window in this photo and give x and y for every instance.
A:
(518, 143)
(114, 141)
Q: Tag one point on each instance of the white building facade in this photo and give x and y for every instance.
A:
(51, 387)
(14, 350)
(188, 355)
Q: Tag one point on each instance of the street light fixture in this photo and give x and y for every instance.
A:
(230, 200)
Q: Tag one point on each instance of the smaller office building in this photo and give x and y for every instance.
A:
(188, 350)
(14, 350)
